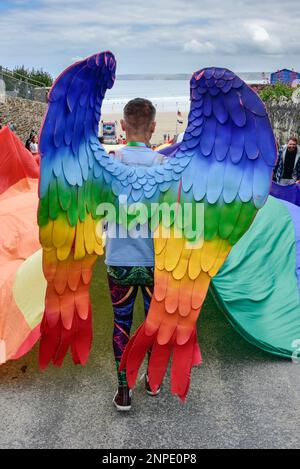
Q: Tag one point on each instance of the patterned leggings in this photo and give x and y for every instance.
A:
(123, 284)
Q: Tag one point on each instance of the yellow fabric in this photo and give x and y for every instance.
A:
(29, 289)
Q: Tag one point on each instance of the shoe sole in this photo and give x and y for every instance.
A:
(122, 408)
(150, 393)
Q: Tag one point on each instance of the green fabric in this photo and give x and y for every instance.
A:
(257, 286)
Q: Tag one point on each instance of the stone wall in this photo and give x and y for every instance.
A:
(285, 119)
(26, 115)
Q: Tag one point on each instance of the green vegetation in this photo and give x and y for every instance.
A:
(33, 76)
(276, 91)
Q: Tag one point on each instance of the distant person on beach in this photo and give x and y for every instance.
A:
(287, 170)
(130, 258)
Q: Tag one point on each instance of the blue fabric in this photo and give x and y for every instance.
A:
(125, 250)
(290, 193)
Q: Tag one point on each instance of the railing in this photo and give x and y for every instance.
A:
(22, 88)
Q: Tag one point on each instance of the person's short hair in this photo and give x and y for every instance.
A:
(294, 139)
(139, 113)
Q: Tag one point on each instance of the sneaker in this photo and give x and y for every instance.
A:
(122, 399)
(148, 389)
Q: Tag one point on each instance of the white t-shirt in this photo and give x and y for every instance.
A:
(34, 148)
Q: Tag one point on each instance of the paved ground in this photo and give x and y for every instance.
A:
(240, 398)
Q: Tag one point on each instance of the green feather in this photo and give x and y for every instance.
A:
(81, 203)
(211, 220)
(43, 210)
(88, 195)
(244, 221)
(73, 209)
(54, 207)
(228, 218)
(64, 195)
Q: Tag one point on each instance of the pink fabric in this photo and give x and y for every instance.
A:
(18, 238)
(16, 162)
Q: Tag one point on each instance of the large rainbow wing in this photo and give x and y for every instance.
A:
(69, 194)
(231, 150)
(77, 175)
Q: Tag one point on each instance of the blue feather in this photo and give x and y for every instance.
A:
(237, 144)
(207, 106)
(197, 112)
(261, 183)
(151, 192)
(200, 171)
(251, 145)
(266, 140)
(214, 91)
(246, 187)
(220, 111)
(232, 180)
(107, 177)
(164, 186)
(223, 140)
(188, 176)
(219, 73)
(215, 181)
(235, 108)
(227, 87)
(69, 168)
(252, 101)
(208, 73)
(57, 161)
(90, 154)
(208, 137)
(83, 161)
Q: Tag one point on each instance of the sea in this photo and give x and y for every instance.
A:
(168, 94)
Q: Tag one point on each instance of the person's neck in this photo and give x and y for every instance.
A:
(138, 138)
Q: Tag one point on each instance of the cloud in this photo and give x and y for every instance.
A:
(163, 35)
(263, 40)
(196, 46)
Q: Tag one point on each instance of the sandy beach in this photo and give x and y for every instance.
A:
(165, 124)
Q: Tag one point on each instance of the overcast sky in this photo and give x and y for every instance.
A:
(167, 36)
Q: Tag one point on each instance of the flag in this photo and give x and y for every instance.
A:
(179, 118)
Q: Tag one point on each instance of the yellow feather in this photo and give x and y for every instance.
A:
(160, 260)
(61, 228)
(89, 235)
(98, 248)
(182, 265)
(195, 264)
(79, 242)
(224, 250)
(174, 250)
(63, 252)
(46, 233)
(160, 239)
(209, 254)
